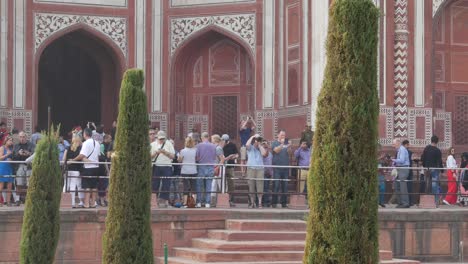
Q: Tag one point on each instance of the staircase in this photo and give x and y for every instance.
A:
(254, 242)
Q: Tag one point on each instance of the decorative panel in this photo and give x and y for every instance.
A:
(113, 3)
(241, 25)
(224, 64)
(424, 116)
(293, 53)
(386, 113)
(439, 100)
(459, 18)
(439, 66)
(444, 132)
(197, 78)
(459, 66)
(460, 121)
(293, 24)
(161, 118)
(47, 24)
(293, 84)
(199, 122)
(263, 115)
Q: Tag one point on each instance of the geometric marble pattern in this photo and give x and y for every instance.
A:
(413, 113)
(260, 116)
(161, 118)
(446, 117)
(388, 113)
(12, 115)
(401, 69)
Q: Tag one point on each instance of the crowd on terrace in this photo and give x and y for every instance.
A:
(189, 177)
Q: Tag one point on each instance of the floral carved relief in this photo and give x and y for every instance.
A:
(242, 25)
(46, 25)
(436, 5)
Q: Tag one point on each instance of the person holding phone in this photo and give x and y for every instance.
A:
(281, 151)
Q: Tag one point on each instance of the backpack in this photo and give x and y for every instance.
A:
(190, 201)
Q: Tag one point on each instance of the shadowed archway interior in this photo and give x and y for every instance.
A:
(78, 81)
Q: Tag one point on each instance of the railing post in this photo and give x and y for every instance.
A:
(223, 178)
(165, 253)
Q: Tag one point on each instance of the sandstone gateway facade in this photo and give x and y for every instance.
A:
(211, 63)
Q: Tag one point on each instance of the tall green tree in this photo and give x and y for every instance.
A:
(342, 225)
(128, 237)
(41, 221)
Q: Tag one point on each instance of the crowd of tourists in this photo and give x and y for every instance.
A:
(407, 181)
(190, 177)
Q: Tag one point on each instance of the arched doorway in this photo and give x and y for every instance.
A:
(212, 84)
(78, 81)
(450, 68)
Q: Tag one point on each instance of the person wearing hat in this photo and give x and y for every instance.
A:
(231, 154)
(162, 154)
(307, 134)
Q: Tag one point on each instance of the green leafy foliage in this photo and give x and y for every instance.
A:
(128, 236)
(342, 225)
(41, 221)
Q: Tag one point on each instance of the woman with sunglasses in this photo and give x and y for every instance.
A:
(6, 170)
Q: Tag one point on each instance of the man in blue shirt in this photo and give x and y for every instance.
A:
(246, 129)
(402, 161)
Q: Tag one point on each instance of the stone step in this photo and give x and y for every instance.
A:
(399, 261)
(385, 255)
(231, 235)
(204, 255)
(266, 225)
(206, 243)
(176, 260)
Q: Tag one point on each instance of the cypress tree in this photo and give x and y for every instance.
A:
(128, 236)
(41, 221)
(342, 224)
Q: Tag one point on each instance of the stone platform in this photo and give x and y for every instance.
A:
(428, 235)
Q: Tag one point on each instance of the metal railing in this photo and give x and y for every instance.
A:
(423, 183)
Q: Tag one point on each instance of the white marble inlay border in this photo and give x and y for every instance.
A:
(140, 29)
(156, 91)
(319, 60)
(183, 3)
(114, 3)
(305, 52)
(3, 53)
(281, 55)
(47, 24)
(268, 53)
(19, 62)
(419, 51)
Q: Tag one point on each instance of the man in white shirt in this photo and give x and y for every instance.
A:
(89, 154)
(162, 154)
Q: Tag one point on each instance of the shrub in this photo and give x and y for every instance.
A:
(41, 221)
(128, 236)
(342, 226)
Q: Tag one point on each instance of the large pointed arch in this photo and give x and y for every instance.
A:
(108, 56)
